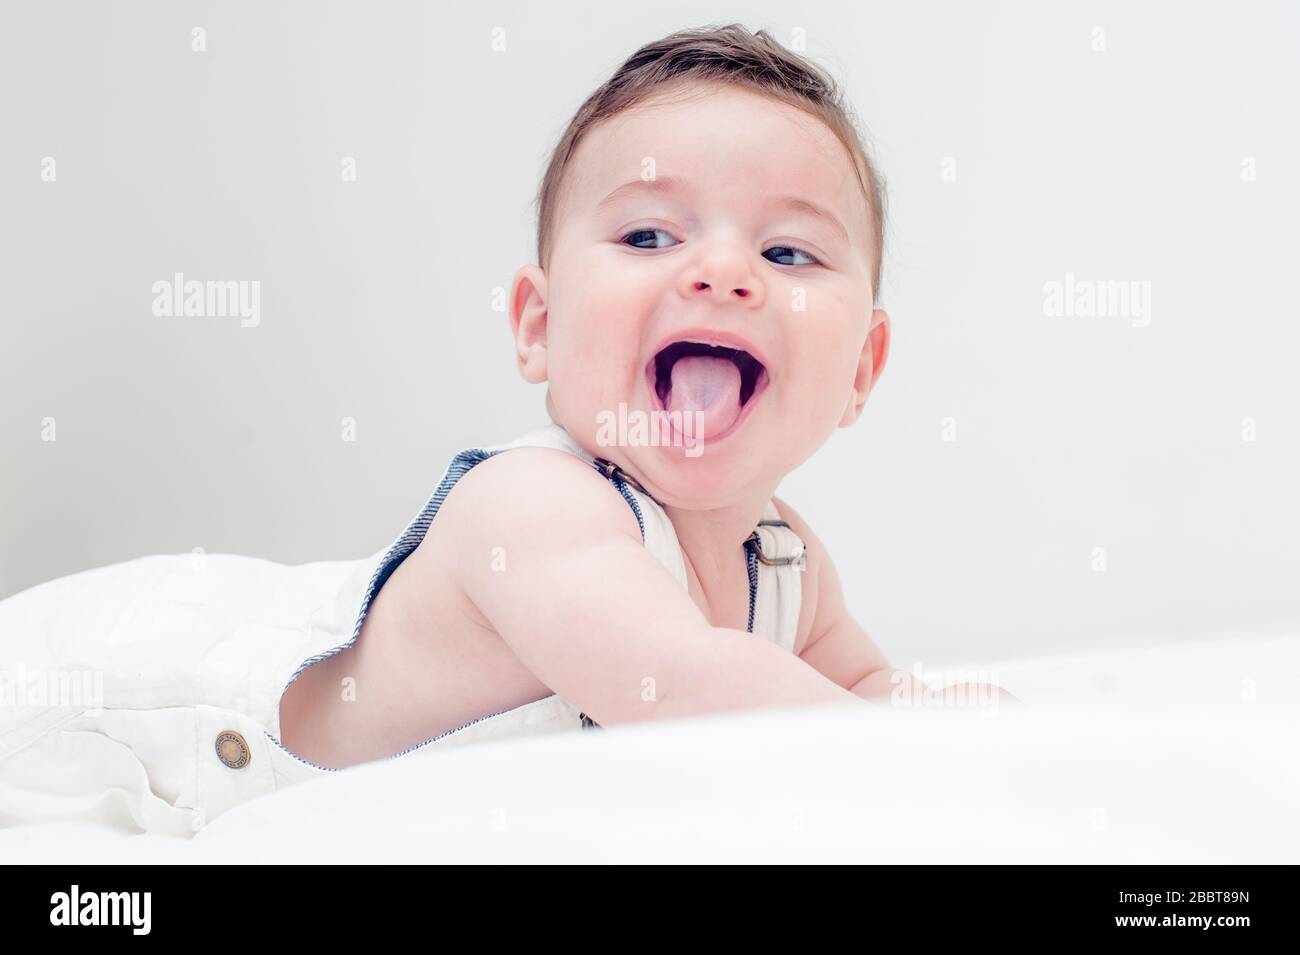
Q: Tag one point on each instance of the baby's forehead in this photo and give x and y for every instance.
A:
(719, 136)
(725, 145)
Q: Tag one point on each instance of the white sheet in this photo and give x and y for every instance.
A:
(1161, 755)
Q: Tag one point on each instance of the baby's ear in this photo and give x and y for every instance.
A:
(528, 322)
(871, 362)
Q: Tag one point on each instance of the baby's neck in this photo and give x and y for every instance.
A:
(713, 541)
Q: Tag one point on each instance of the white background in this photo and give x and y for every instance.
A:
(1072, 433)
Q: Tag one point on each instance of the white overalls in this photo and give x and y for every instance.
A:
(146, 694)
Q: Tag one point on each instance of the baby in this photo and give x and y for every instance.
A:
(704, 315)
(710, 238)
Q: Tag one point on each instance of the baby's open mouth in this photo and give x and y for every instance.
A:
(713, 380)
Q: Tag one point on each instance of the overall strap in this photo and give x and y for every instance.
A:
(778, 558)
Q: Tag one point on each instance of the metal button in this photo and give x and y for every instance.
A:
(232, 749)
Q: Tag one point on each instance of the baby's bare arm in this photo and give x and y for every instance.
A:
(552, 557)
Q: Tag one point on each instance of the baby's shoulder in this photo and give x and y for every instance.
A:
(535, 490)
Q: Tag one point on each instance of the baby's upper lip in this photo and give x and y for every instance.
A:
(710, 336)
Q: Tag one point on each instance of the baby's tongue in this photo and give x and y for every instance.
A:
(708, 385)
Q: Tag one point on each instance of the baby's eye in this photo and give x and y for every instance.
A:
(639, 235)
(788, 250)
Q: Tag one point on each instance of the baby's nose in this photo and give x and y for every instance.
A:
(725, 277)
(741, 292)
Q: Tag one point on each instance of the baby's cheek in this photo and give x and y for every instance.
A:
(819, 385)
(825, 356)
(589, 378)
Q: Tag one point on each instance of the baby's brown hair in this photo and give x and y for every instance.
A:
(726, 54)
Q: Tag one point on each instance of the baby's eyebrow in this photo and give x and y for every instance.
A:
(811, 208)
(664, 184)
(672, 185)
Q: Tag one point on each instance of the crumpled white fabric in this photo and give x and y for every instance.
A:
(115, 683)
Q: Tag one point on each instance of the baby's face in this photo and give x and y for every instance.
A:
(692, 220)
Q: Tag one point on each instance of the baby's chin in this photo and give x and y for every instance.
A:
(679, 470)
(701, 483)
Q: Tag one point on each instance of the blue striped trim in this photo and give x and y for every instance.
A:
(402, 548)
(627, 496)
(751, 560)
